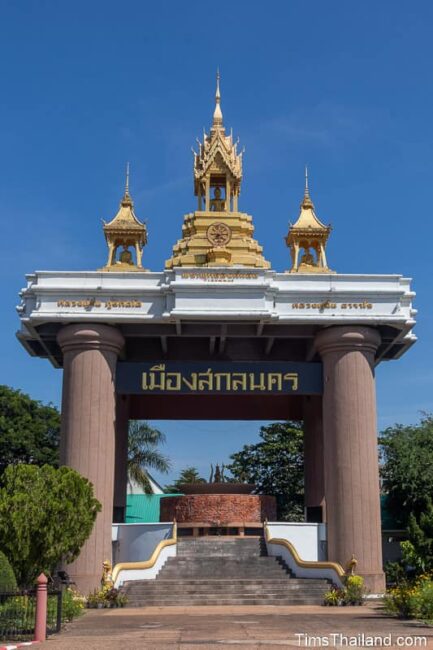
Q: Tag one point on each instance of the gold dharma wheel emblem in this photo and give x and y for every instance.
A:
(219, 234)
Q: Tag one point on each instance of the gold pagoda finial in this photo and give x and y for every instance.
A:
(124, 232)
(127, 200)
(217, 116)
(306, 201)
(307, 238)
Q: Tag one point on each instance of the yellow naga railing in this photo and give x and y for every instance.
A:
(303, 564)
(146, 564)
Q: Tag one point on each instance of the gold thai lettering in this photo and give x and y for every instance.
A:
(205, 381)
(153, 379)
(260, 385)
(240, 383)
(158, 379)
(173, 381)
(218, 376)
(292, 377)
(275, 379)
(192, 385)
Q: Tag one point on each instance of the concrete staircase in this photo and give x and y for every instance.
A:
(225, 571)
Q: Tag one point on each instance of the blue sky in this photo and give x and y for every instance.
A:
(343, 86)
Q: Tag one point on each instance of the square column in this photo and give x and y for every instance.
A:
(88, 432)
(121, 459)
(314, 478)
(350, 450)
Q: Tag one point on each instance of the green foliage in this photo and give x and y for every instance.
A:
(395, 573)
(106, 597)
(418, 550)
(46, 515)
(7, 576)
(333, 597)
(411, 599)
(276, 466)
(187, 475)
(407, 470)
(402, 601)
(143, 454)
(29, 430)
(352, 593)
(73, 604)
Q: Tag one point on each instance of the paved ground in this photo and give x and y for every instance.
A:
(192, 628)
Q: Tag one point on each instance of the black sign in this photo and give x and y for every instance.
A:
(219, 378)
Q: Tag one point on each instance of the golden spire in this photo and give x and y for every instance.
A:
(309, 235)
(217, 115)
(307, 202)
(125, 231)
(126, 200)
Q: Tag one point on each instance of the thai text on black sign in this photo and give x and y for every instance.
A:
(223, 378)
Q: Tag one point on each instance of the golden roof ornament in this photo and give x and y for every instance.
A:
(217, 234)
(125, 231)
(309, 235)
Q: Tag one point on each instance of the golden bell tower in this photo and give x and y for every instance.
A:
(310, 235)
(217, 234)
(125, 231)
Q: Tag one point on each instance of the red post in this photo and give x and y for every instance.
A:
(41, 608)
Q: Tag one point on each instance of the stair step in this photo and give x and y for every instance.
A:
(246, 575)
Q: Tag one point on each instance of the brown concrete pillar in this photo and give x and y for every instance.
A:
(121, 458)
(314, 479)
(350, 449)
(88, 431)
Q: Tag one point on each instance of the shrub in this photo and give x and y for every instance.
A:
(425, 595)
(7, 576)
(351, 594)
(403, 601)
(354, 591)
(333, 597)
(106, 597)
(72, 605)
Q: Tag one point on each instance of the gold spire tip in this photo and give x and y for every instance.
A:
(127, 179)
(217, 116)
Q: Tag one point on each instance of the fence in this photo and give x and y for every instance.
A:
(18, 613)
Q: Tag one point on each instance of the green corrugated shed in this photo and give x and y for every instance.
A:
(144, 508)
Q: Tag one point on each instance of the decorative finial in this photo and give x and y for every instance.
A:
(127, 179)
(217, 116)
(307, 202)
(127, 197)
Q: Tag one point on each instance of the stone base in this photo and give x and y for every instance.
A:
(374, 582)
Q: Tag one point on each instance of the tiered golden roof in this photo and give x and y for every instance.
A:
(308, 234)
(217, 234)
(125, 231)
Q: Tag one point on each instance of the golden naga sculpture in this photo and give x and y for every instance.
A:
(217, 234)
(107, 575)
(125, 231)
(309, 235)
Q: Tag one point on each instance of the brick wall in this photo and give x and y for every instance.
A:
(218, 508)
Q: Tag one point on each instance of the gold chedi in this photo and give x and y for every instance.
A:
(217, 234)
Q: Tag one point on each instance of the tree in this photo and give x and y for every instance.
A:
(187, 475)
(407, 468)
(46, 515)
(417, 551)
(29, 430)
(276, 466)
(143, 441)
